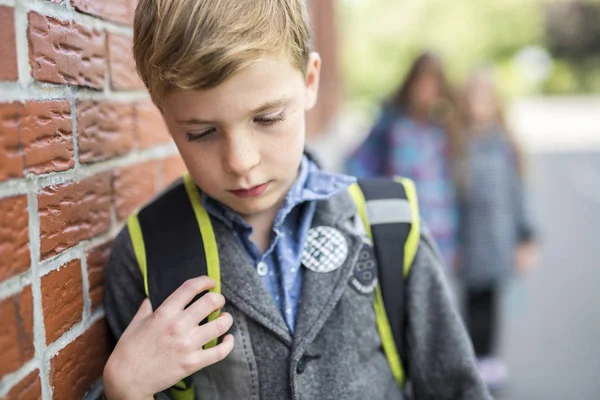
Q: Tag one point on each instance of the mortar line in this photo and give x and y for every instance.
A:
(39, 330)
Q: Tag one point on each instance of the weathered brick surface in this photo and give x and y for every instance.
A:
(172, 168)
(14, 236)
(46, 136)
(16, 331)
(65, 52)
(133, 186)
(29, 388)
(151, 127)
(122, 67)
(79, 365)
(73, 212)
(62, 299)
(8, 46)
(97, 261)
(36, 137)
(113, 10)
(11, 158)
(105, 130)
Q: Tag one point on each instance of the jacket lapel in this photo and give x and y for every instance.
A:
(243, 288)
(321, 291)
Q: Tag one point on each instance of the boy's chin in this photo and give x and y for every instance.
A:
(249, 207)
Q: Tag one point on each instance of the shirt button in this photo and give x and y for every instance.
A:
(262, 268)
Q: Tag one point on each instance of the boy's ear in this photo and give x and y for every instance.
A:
(313, 73)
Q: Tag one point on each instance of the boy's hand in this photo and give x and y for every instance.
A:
(526, 257)
(159, 349)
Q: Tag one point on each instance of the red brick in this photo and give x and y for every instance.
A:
(14, 236)
(76, 368)
(62, 299)
(37, 137)
(105, 130)
(8, 45)
(73, 212)
(151, 127)
(12, 162)
(29, 388)
(16, 331)
(47, 136)
(172, 168)
(123, 74)
(113, 10)
(66, 52)
(97, 261)
(133, 186)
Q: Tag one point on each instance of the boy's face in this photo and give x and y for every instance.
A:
(243, 140)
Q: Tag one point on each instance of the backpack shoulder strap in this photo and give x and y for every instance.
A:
(390, 214)
(173, 241)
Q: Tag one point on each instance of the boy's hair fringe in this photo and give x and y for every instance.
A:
(198, 44)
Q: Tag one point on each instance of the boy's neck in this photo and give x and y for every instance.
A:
(261, 226)
(262, 223)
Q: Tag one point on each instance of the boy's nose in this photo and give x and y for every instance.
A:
(240, 157)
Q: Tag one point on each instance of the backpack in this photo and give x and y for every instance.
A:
(388, 210)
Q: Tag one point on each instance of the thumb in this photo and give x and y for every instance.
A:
(143, 312)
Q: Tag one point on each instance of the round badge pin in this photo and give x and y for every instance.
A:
(364, 278)
(325, 249)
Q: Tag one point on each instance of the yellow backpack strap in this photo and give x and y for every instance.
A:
(412, 241)
(137, 240)
(209, 242)
(389, 213)
(173, 241)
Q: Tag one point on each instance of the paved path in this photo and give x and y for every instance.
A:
(552, 338)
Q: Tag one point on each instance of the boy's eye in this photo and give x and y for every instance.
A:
(270, 119)
(191, 136)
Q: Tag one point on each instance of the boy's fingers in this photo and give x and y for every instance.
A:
(187, 291)
(203, 307)
(213, 329)
(215, 354)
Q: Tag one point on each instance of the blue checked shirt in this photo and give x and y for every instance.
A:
(280, 265)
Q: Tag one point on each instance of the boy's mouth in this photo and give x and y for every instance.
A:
(251, 192)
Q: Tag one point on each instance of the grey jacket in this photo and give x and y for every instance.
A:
(336, 350)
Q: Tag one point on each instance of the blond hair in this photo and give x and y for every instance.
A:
(198, 44)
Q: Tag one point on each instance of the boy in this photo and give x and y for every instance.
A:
(233, 79)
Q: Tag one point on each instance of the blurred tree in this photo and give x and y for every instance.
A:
(380, 38)
(573, 29)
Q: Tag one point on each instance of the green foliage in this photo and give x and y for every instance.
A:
(380, 38)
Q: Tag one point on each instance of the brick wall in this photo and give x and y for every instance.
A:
(81, 147)
(323, 18)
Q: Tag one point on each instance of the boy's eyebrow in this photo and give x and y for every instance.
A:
(193, 121)
(269, 105)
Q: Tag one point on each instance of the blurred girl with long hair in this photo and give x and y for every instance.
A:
(418, 136)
